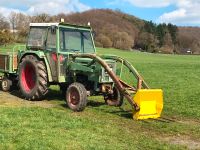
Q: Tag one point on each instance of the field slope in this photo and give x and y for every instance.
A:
(51, 125)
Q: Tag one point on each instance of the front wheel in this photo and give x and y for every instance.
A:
(76, 97)
(114, 99)
(6, 84)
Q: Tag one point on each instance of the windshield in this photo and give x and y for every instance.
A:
(76, 41)
(37, 37)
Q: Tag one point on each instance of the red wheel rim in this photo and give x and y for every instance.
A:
(28, 77)
(74, 96)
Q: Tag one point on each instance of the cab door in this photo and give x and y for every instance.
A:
(51, 53)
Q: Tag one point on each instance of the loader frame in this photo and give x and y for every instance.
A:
(124, 88)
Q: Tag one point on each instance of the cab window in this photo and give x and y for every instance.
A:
(51, 41)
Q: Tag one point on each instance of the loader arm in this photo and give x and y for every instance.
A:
(111, 74)
(155, 109)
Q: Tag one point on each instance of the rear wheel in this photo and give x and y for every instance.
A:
(76, 97)
(6, 84)
(33, 78)
(114, 99)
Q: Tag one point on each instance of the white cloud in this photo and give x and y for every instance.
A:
(49, 8)
(32, 7)
(187, 12)
(6, 11)
(179, 14)
(150, 3)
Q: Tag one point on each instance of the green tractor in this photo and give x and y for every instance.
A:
(65, 55)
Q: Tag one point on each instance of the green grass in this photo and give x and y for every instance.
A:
(103, 127)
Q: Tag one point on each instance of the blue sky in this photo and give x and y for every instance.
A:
(179, 12)
(143, 13)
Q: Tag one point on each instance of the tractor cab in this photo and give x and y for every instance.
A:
(61, 38)
(58, 41)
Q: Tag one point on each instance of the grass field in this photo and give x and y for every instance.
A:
(51, 125)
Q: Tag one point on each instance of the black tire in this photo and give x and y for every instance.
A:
(115, 99)
(33, 80)
(6, 84)
(76, 97)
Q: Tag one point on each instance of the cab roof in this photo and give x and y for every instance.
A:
(58, 24)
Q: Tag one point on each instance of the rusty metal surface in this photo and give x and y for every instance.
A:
(15, 62)
(128, 87)
(2, 61)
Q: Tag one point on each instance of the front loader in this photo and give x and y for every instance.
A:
(65, 55)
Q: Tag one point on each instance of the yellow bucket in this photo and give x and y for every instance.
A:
(150, 102)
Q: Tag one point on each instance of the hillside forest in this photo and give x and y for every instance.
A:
(112, 28)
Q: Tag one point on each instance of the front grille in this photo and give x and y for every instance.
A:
(105, 76)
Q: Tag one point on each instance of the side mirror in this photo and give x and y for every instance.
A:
(53, 29)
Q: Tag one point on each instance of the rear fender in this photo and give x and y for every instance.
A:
(40, 55)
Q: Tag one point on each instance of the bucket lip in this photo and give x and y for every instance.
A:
(151, 90)
(140, 117)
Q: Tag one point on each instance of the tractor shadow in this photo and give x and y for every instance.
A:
(55, 95)
(123, 113)
(16, 93)
(52, 95)
(128, 114)
(95, 103)
(89, 104)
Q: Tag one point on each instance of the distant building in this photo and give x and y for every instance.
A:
(186, 51)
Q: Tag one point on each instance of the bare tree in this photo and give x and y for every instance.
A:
(123, 41)
(22, 23)
(41, 18)
(104, 41)
(3, 23)
(13, 20)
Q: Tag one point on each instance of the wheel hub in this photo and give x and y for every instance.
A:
(74, 97)
(4, 84)
(28, 77)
